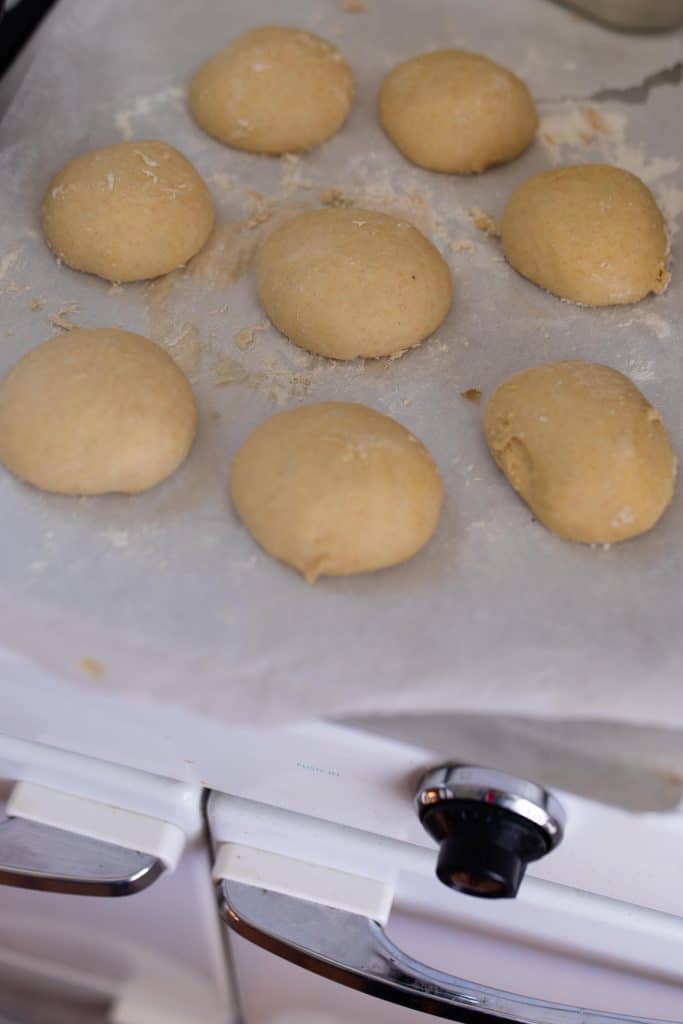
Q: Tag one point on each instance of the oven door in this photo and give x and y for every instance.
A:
(319, 859)
(156, 956)
(424, 961)
(75, 833)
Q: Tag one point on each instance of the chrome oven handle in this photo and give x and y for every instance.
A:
(36, 856)
(356, 952)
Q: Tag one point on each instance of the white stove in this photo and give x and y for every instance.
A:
(156, 865)
(311, 837)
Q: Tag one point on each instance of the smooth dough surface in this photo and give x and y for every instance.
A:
(456, 112)
(584, 448)
(590, 233)
(348, 282)
(336, 488)
(128, 212)
(94, 411)
(273, 90)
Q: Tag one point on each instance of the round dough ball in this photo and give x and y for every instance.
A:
(336, 488)
(273, 90)
(590, 233)
(457, 112)
(584, 448)
(346, 282)
(127, 212)
(93, 411)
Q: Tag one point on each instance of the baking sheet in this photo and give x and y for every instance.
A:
(165, 594)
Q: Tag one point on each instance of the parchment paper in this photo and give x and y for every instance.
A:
(165, 594)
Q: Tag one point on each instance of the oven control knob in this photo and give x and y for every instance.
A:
(489, 825)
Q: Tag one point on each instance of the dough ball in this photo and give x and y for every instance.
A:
(336, 488)
(584, 448)
(127, 212)
(273, 90)
(456, 111)
(590, 233)
(93, 411)
(346, 282)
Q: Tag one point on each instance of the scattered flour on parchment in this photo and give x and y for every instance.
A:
(143, 106)
(484, 222)
(334, 196)
(117, 538)
(574, 126)
(279, 382)
(226, 181)
(461, 245)
(185, 347)
(293, 177)
(245, 338)
(258, 207)
(8, 261)
(642, 370)
(670, 199)
(375, 189)
(63, 317)
(656, 323)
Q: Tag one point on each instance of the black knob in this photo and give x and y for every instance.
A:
(483, 850)
(489, 826)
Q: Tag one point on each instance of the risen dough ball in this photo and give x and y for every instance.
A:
(584, 448)
(273, 90)
(127, 212)
(348, 282)
(93, 411)
(456, 111)
(336, 488)
(589, 233)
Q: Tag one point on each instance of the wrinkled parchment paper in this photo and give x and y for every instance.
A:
(165, 596)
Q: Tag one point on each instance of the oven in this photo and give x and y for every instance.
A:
(311, 845)
(299, 841)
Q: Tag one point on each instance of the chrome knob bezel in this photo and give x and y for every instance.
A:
(529, 800)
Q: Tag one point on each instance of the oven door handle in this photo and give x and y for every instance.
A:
(38, 856)
(356, 952)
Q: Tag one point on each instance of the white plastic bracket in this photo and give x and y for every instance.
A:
(98, 820)
(368, 897)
